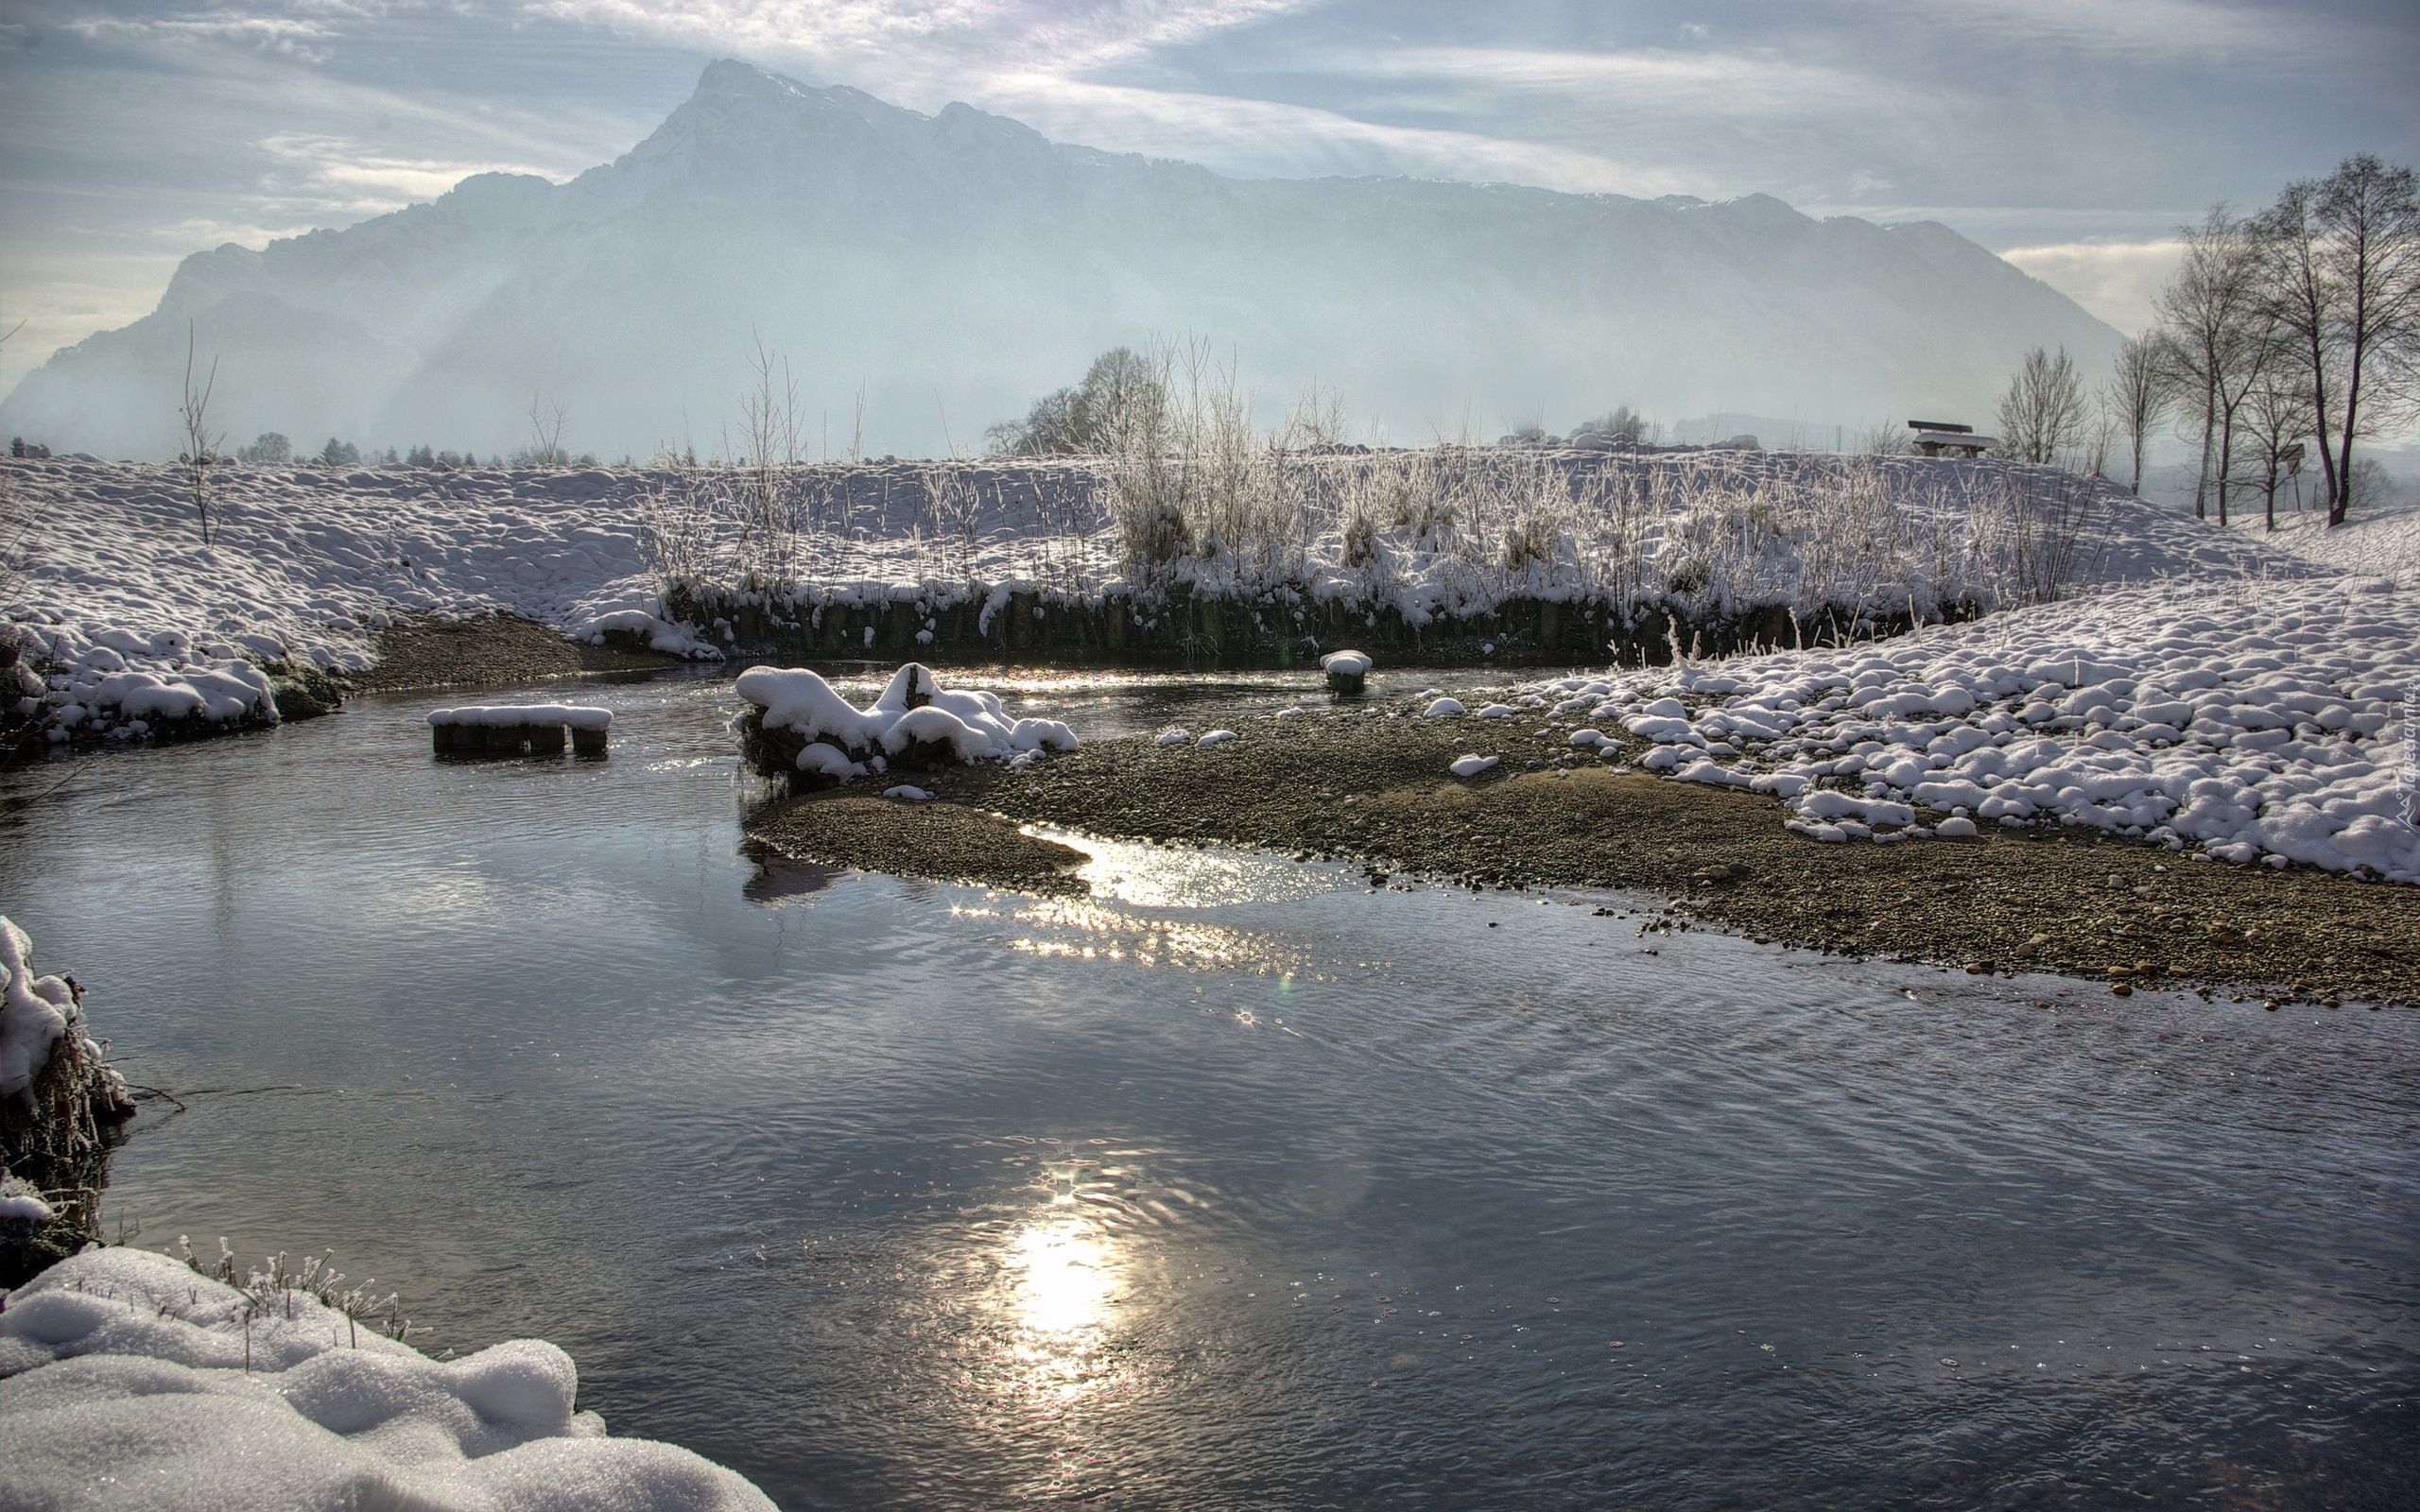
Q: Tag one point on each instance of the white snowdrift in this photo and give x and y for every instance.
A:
(2248, 720)
(913, 709)
(1472, 765)
(126, 1384)
(138, 621)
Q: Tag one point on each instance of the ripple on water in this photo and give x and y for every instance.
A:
(1234, 1184)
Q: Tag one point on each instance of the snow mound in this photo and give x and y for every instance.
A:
(125, 1363)
(1218, 737)
(1347, 664)
(659, 635)
(915, 713)
(1173, 737)
(2254, 720)
(1444, 708)
(1472, 765)
(907, 793)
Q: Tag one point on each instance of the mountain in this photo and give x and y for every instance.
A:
(948, 269)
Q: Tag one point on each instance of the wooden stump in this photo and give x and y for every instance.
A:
(587, 743)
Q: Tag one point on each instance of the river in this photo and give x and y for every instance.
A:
(1236, 1185)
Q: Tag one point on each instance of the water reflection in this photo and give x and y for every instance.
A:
(1151, 876)
(1361, 1235)
(1057, 1276)
(1080, 929)
(778, 876)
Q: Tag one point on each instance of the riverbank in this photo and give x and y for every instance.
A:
(490, 650)
(1360, 785)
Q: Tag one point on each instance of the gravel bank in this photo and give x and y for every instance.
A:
(946, 842)
(1375, 787)
(490, 651)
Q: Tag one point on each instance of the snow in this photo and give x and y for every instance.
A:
(1218, 737)
(571, 717)
(914, 708)
(308, 565)
(1442, 707)
(1347, 664)
(183, 1391)
(1472, 765)
(138, 621)
(36, 1013)
(21, 1203)
(907, 793)
(2383, 543)
(2253, 720)
(1172, 737)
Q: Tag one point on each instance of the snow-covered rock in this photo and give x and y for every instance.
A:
(128, 1379)
(1472, 765)
(915, 718)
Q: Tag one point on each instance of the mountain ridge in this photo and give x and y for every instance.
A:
(950, 267)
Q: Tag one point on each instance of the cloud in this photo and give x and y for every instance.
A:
(2119, 282)
(338, 171)
(1756, 83)
(1267, 137)
(926, 40)
(303, 37)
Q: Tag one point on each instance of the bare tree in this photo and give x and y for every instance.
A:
(2209, 313)
(2140, 390)
(201, 447)
(2276, 421)
(2342, 281)
(546, 423)
(769, 427)
(2042, 415)
(1122, 391)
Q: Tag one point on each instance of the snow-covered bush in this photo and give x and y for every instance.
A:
(60, 1104)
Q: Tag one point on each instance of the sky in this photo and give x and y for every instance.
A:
(2073, 136)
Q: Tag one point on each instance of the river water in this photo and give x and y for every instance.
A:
(1237, 1185)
